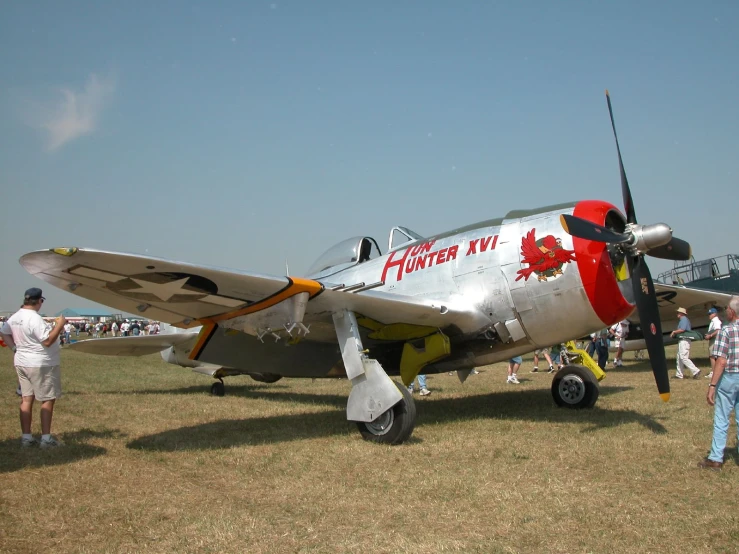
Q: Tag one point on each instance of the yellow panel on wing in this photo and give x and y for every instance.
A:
(394, 331)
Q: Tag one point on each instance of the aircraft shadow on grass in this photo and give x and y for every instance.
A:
(14, 458)
(509, 405)
(268, 392)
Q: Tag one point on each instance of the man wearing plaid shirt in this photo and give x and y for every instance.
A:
(723, 392)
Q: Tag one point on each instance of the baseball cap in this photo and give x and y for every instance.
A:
(33, 294)
(712, 311)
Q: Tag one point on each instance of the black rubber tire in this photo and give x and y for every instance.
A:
(394, 426)
(575, 387)
(218, 389)
(265, 377)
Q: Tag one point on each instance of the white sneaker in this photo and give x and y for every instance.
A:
(425, 392)
(25, 443)
(514, 380)
(51, 442)
(410, 389)
(709, 375)
(474, 372)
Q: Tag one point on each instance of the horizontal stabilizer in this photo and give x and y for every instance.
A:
(132, 346)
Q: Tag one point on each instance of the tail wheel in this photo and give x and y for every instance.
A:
(575, 387)
(394, 426)
(218, 388)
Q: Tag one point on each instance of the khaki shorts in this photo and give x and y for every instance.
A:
(542, 351)
(45, 382)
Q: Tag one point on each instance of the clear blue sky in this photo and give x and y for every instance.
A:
(240, 134)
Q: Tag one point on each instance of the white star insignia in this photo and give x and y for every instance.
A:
(163, 291)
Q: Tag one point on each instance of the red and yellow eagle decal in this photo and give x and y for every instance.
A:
(545, 257)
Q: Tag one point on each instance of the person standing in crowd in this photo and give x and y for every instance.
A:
(68, 333)
(544, 352)
(723, 392)
(513, 365)
(602, 342)
(713, 328)
(683, 348)
(423, 391)
(591, 347)
(37, 364)
(620, 331)
(114, 328)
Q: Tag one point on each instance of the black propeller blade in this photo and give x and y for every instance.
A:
(643, 286)
(646, 305)
(625, 190)
(676, 249)
(578, 227)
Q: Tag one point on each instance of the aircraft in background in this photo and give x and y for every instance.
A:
(454, 301)
(689, 285)
(720, 274)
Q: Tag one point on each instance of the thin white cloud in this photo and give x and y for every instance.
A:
(77, 113)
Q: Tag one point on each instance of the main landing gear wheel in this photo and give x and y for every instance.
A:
(395, 425)
(218, 388)
(575, 387)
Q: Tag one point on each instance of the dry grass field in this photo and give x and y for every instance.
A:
(154, 463)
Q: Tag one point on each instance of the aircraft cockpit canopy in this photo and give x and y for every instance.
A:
(346, 254)
(401, 236)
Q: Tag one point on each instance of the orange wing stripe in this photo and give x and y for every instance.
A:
(295, 286)
(203, 337)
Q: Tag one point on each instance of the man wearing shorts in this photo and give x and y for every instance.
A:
(544, 352)
(37, 365)
(513, 365)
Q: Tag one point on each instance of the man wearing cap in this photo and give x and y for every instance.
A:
(723, 392)
(713, 328)
(683, 347)
(37, 365)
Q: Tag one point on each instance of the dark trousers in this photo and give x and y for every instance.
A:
(591, 348)
(602, 356)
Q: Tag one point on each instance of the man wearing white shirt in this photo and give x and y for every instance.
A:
(37, 365)
(620, 332)
(713, 328)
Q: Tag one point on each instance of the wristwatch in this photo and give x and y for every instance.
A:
(712, 385)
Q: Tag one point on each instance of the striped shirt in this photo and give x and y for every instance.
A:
(727, 346)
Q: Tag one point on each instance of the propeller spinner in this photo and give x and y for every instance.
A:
(636, 241)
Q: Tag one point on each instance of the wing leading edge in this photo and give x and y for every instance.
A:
(187, 295)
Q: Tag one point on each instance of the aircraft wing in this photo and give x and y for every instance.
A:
(696, 301)
(187, 295)
(131, 346)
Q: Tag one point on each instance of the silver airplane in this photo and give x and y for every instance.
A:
(449, 302)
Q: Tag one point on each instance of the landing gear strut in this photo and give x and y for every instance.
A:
(383, 411)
